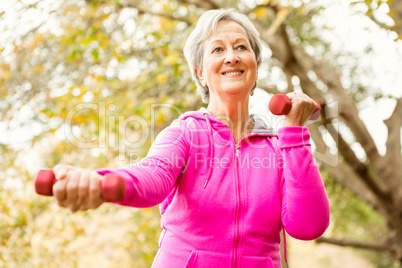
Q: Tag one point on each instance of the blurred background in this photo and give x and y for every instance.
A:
(90, 83)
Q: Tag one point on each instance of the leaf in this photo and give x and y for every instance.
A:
(261, 12)
(171, 59)
(161, 78)
(95, 54)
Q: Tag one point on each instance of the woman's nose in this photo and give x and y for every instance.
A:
(231, 57)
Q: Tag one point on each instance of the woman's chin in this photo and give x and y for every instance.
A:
(236, 90)
(237, 94)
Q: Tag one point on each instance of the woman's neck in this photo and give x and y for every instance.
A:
(234, 114)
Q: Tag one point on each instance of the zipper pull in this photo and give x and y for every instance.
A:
(237, 149)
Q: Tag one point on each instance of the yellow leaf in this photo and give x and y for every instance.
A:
(38, 69)
(161, 78)
(160, 121)
(38, 38)
(261, 12)
(171, 59)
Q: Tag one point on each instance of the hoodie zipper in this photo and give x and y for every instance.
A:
(238, 210)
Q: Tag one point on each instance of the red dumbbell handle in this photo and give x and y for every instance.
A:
(281, 105)
(112, 186)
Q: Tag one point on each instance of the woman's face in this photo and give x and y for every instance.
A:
(229, 64)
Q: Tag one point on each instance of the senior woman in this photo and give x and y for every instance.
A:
(226, 183)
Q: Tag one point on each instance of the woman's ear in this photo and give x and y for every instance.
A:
(200, 75)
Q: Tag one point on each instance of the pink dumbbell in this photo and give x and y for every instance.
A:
(112, 186)
(281, 105)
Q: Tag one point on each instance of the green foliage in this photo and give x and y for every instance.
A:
(352, 217)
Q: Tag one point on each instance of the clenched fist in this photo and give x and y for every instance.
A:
(302, 108)
(77, 188)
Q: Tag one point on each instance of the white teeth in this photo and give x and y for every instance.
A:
(232, 73)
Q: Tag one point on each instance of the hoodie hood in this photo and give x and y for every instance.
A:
(261, 125)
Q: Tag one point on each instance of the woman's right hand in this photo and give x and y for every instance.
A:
(77, 188)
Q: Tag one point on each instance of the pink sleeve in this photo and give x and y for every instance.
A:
(150, 181)
(305, 206)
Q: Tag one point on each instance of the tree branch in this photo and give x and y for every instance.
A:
(205, 4)
(396, 9)
(271, 5)
(394, 123)
(379, 23)
(347, 110)
(289, 76)
(164, 15)
(373, 183)
(393, 145)
(159, 14)
(297, 62)
(329, 76)
(342, 172)
(395, 13)
(356, 244)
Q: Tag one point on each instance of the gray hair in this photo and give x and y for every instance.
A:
(207, 23)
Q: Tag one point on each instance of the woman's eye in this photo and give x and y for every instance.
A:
(241, 47)
(217, 50)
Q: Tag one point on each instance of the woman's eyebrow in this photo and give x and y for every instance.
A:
(239, 39)
(216, 41)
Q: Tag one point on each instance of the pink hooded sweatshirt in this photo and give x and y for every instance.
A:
(224, 204)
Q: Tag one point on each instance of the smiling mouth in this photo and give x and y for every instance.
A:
(232, 73)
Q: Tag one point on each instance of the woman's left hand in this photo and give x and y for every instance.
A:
(302, 108)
